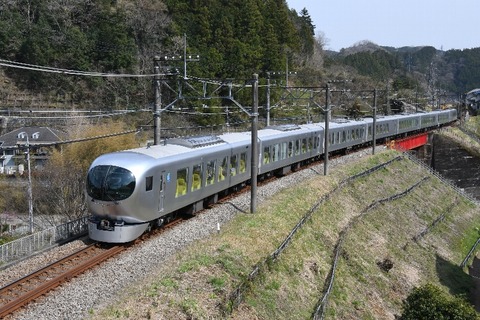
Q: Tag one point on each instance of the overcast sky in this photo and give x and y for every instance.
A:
(397, 23)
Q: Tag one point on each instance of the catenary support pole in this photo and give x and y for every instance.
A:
(374, 129)
(327, 117)
(254, 156)
(158, 101)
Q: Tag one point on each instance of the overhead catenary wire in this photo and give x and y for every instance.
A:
(33, 67)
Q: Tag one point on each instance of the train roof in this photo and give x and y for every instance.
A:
(337, 123)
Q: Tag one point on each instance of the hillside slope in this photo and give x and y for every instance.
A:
(385, 250)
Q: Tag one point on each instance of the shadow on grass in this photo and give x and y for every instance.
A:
(452, 276)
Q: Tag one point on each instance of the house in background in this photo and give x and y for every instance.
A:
(12, 147)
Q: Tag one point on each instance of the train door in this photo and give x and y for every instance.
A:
(161, 195)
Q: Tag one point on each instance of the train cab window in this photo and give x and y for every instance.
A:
(243, 162)
(283, 151)
(290, 149)
(182, 179)
(148, 183)
(222, 170)
(110, 183)
(233, 165)
(210, 172)
(197, 177)
(297, 147)
(266, 155)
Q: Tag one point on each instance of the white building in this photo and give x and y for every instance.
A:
(12, 147)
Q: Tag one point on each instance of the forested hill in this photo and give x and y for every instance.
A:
(453, 71)
(234, 39)
(240, 37)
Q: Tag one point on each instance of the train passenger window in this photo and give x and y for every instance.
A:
(297, 147)
(197, 177)
(310, 143)
(233, 165)
(290, 149)
(243, 162)
(275, 152)
(182, 179)
(222, 170)
(148, 183)
(210, 172)
(344, 136)
(357, 134)
(266, 155)
(331, 138)
(304, 145)
(283, 151)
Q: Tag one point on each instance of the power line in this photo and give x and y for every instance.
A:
(33, 67)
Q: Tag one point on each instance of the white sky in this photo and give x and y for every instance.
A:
(439, 23)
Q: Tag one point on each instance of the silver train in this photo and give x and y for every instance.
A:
(131, 191)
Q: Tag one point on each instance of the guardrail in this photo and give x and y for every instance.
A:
(26, 246)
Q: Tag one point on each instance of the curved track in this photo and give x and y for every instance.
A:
(21, 292)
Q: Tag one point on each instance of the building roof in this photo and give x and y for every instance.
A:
(36, 136)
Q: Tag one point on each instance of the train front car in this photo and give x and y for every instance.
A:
(112, 187)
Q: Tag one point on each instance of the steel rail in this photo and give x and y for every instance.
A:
(24, 290)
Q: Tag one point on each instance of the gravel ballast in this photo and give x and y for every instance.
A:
(99, 287)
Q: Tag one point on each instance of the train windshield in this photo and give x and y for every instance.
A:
(110, 183)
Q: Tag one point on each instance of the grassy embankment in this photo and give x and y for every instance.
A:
(197, 282)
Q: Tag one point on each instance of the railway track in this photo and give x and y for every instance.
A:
(19, 293)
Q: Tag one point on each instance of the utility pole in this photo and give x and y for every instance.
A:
(374, 128)
(158, 101)
(268, 99)
(327, 116)
(254, 160)
(187, 59)
(30, 194)
(158, 87)
(286, 72)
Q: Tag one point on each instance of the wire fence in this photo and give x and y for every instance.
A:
(236, 296)
(435, 173)
(28, 245)
(322, 303)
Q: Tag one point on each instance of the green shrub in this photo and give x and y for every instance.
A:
(430, 302)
